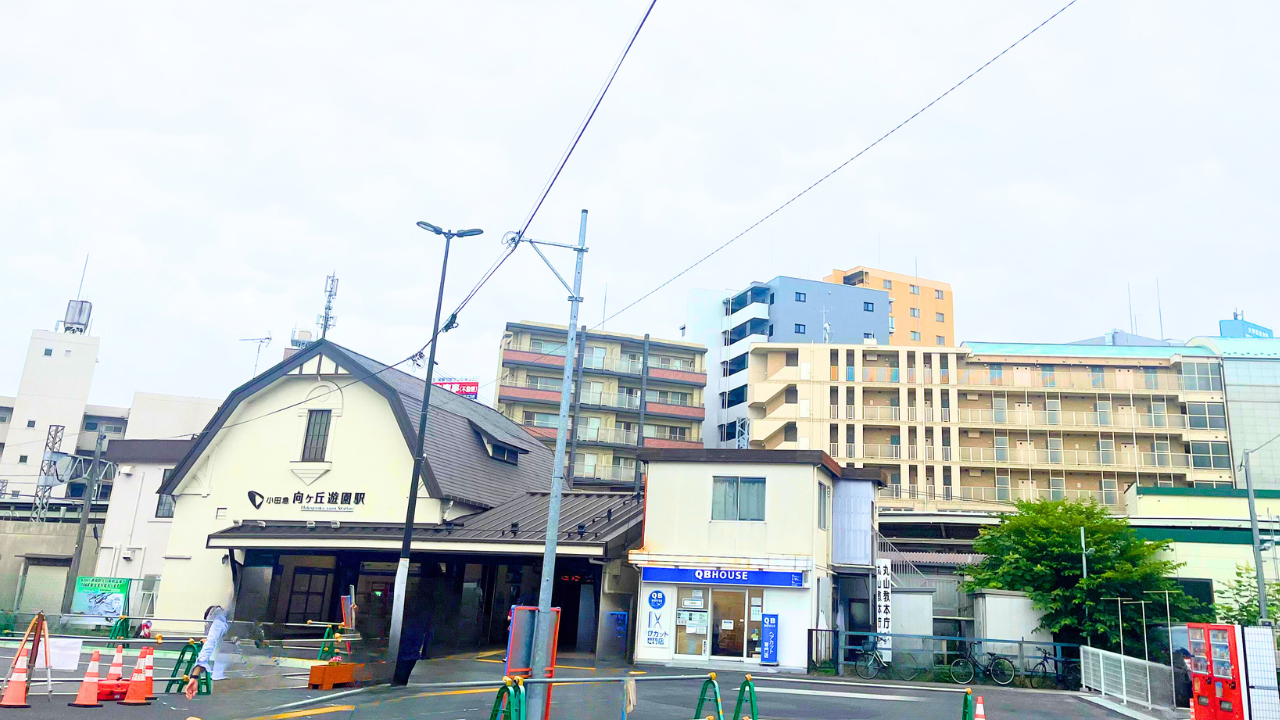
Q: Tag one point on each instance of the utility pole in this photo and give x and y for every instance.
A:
(542, 630)
(1257, 544)
(1084, 567)
(577, 402)
(91, 487)
(330, 292)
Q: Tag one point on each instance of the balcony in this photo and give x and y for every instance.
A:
(1001, 495)
(1072, 419)
(1065, 380)
(1094, 459)
(881, 413)
(624, 402)
(605, 473)
(607, 436)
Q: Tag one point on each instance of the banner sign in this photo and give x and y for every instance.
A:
(769, 639)
(884, 606)
(715, 576)
(466, 387)
(102, 596)
(333, 501)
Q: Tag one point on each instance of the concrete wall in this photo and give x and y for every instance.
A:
(165, 416)
(132, 527)
(843, 306)
(52, 541)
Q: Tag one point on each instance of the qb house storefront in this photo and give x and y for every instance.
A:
(720, 613)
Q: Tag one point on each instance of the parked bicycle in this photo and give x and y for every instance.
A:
(871, 662)
(999, 668)
(1064, 674)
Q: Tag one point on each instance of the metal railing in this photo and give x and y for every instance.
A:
(935, 652)
(614, 473)
(1126, 678)
(999, 494)
(1035, 379)
(1074, 458)
(881, 412)
(615, 436)
(1072, 418)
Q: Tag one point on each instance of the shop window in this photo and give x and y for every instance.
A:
(317, 436)
(737, 498)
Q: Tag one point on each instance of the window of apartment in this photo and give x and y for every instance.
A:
(22, 459)
(593, 357)
(915, 336)
(1000, 411)
(915, 289)
(114, 428)
(824, 502)
(737, 498)
(48, 352)
(868, 336)
(1098, 377)
(938, 294)
(799, 329)
(165, 505)
(1046, 376)
(669, 397)
(888, 284)
(728, 431)
(790, 433)
(317, 437)
(801, 297)
(736, 396)
(4, 416)
(915, 312)
(770, 298)
(792, 359)
(737, 364)
(547, 347)
(1002, 485)
(1109, 491)
(544, 383)
(1055, 449)
(891, 323)
(941, 339)
(1053, 411)
(666, 432)
(1002, 448)
(31, 423)
(997, 374)
(791, 395)
(104, 491)
(770, 329)
(1201, 376)
(666, 362)
(538, 419)
(940, 317)
(1107, 451)
(1151, 378)
(1057, 486)
(1207, 416)
(1210, 455)
(1103, 407)
(91, 425)
(869, 306)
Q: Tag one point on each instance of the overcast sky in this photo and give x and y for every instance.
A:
(217, 160)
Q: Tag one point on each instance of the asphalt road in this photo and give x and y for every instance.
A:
(779, 698)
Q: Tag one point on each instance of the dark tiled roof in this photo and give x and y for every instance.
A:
(160, 452)
(604, 516)
(458, 464)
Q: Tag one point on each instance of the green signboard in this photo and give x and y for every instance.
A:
(103, 596)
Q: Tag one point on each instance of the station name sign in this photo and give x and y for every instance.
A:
(314, 502)
(718, 576)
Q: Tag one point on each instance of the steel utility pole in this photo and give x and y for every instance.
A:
(419, 455)
(542, 631)
(1084, 569)
(91, 487)
(1257, 544)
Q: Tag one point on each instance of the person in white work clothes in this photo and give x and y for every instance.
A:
(219, 620)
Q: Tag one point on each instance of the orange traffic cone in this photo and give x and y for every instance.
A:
(88, 695)
(979, 713)
(149, 683)
(15, 693)
(116, 671)
(137, 694)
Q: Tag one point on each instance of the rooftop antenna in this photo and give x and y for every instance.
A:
(82, 272)
(328, 320)
(1159, 310)
(1129, 290)
(262, 341)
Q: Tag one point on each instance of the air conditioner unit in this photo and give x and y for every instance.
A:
(975, 472)
(974, 433)
(971, 396)
(872, 357)
(126, 554)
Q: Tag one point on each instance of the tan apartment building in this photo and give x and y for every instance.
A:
(630, 391)
(920, 310)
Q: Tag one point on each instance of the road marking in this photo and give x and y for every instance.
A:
(890, 686)
(500, 662)
(305, 713)
(828, 693)
(573, 667)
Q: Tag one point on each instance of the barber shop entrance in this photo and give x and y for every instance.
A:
(465, 599)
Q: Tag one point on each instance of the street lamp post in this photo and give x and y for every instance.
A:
(419, 458)
(1257, 543)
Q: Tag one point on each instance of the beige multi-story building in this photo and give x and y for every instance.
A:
(635, 391)
(976, 427)
(920, 310)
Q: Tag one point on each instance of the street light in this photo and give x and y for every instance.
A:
(1257, 542)
(402, 568)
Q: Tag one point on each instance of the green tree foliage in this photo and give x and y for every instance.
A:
(1240, 598)
(1037, 551)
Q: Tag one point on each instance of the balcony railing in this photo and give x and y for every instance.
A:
(1075, 458)
(1068, 418)
(615, 436)
(881, 413)
(612, 473)
(1035, 379)
(999, 494)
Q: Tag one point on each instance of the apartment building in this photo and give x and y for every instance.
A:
(920, 310)
(783, 310)
(630, 391)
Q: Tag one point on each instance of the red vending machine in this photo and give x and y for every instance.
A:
(1218, 689)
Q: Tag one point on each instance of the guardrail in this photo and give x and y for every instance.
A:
(1126, 678)
(934, 652)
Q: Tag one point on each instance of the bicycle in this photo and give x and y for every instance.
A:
(999, 668)
(870, 663)
(1066, 674)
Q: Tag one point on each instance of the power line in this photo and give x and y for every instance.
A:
(837, 169)
(582, 128)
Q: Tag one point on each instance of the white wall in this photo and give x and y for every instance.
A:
(154, 416)
(1007, 615)
(131, 524)
(795, 611)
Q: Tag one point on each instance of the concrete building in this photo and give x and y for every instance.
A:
(732, 537)
(785, 309)
(1251, 381)
(920, 310)
(287, 510)
(630, 391)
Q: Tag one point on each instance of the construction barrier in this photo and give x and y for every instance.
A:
(509, 703)
(966, 705)
(182, 668)
(711, 685)
(746, 692)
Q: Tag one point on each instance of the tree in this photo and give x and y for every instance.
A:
(1240, 606)
(1037, 551)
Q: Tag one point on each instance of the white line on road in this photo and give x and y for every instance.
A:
(828, 693)
(932, 688)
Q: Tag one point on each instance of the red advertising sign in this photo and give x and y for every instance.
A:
(466, 387)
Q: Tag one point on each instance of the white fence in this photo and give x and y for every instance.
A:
(1128, 679)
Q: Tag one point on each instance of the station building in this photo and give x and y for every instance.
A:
(295, 493)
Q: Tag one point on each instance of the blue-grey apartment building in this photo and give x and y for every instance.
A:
(784, 309)
(1251, 381)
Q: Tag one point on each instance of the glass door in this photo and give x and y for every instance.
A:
(691, 621)
(728, 623)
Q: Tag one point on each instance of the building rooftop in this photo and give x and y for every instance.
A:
(1239, 347)
(1086, 351)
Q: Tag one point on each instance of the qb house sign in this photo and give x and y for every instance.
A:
(311, 502)
(768, 578)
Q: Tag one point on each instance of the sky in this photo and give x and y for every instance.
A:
(215, 161)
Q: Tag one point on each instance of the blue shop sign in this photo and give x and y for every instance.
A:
(715, 576)
(769, 640)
